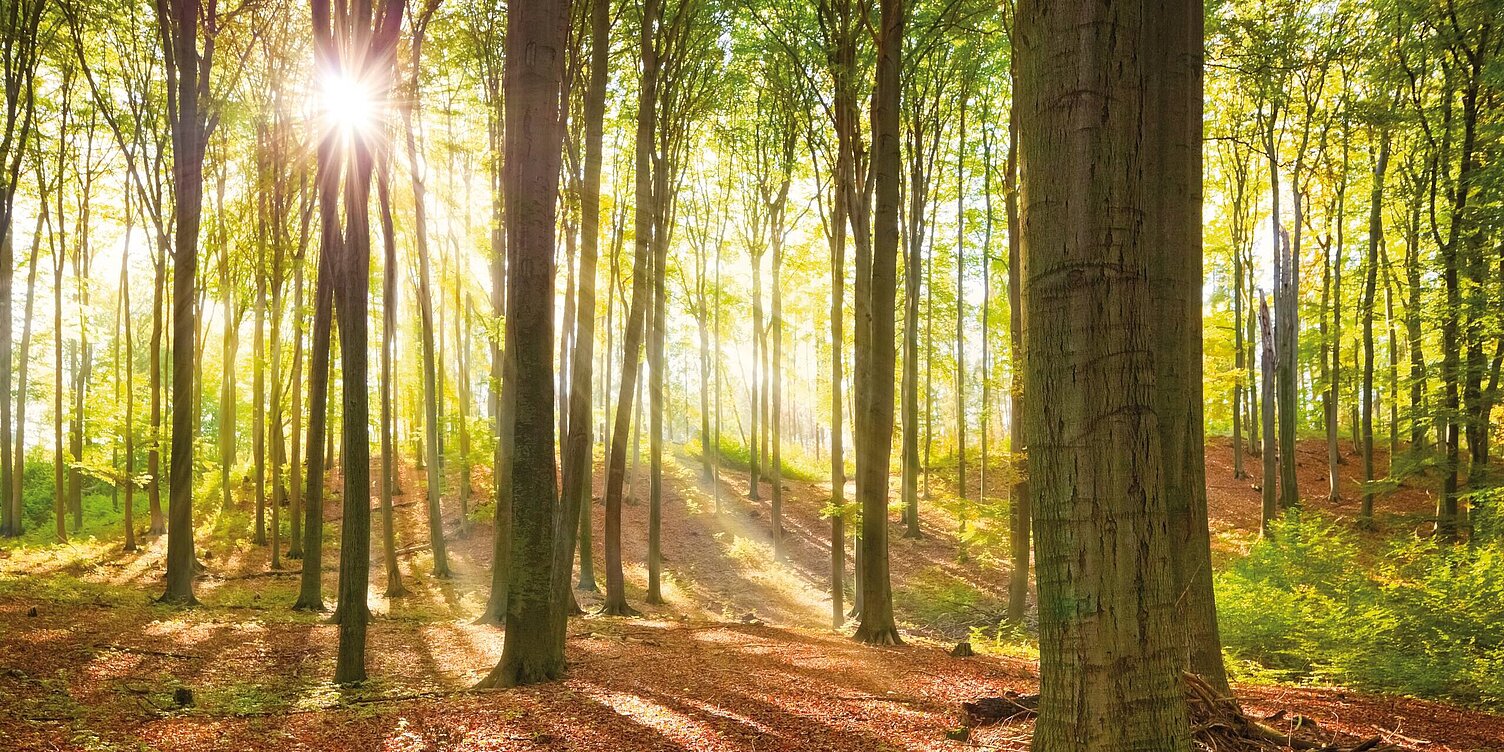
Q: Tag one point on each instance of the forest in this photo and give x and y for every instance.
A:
(882, 375)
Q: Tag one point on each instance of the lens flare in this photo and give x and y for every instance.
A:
(348, 104)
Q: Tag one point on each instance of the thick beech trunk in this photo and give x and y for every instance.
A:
(1111, 91)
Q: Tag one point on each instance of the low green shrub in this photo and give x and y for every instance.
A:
(1421, 618)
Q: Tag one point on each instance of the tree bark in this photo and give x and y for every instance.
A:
(1020, 513)
(876, 290)
(1093, 78)
(431, 392)
(535, 49)
(1370, 280)
(616, 465)
(389, 293)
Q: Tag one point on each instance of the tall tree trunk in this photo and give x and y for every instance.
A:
(1239, 237)
(754, 382)
(59, 499)
(659, 312)
(227, 408)
(129, 430)
(1171, 153)
(310, 591)
(431, 391)
(24, 356)
(1266, 366)
(1020, 513)
(154, 449)
(1413, 346)
(1394, 360)
(919, 165)
(1370, 280)
(258, 388)
(616, 596)
(295, 462)
(533, 650)
(1287, 330)
(1110, 644)
(986, 317)
(10, 510)
(877, 282)
(1334, 376)
(189, 134)
(577, 454)
(775, 366)
(838, 220)
(389, 302)
(961, 330)
(351, 291)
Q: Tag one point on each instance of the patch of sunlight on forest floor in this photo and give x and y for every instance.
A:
(741, 656)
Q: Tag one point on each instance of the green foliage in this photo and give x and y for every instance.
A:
(1004, 638)
(1423, 619)
(938, 600)
(736, 456)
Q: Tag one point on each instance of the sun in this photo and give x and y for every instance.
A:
(348, 104)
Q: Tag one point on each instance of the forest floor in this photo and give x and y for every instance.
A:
(741, 657)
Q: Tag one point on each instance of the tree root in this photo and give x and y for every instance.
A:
(1218, 724)
(618, 609)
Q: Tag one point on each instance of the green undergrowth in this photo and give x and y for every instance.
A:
(941, 603)
(735, 455)
(1416, 617)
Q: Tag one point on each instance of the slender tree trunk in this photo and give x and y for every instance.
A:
(258, 392)
(533, 650)
(913, 253)
(154, 450)
(10, 516)
(24, 356)
(295, 462)
(961, 330)
(876, 289)
(389, 293)
(1370, 280)
(659, 313)
(189, 133)
(838, 220)
(227, 408)
(1266, 366)
(310, 592)
(351, 291)
(60, 499)
(1020, 513)
(754, 383)
(1238, 364)
(129, 430)
(986, 312)
(1394, 361)
(616, 596)
(431, 391)
(1417, 374)
(1287, 328)
(1334, 376)
(577, 454)
(775, 411)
